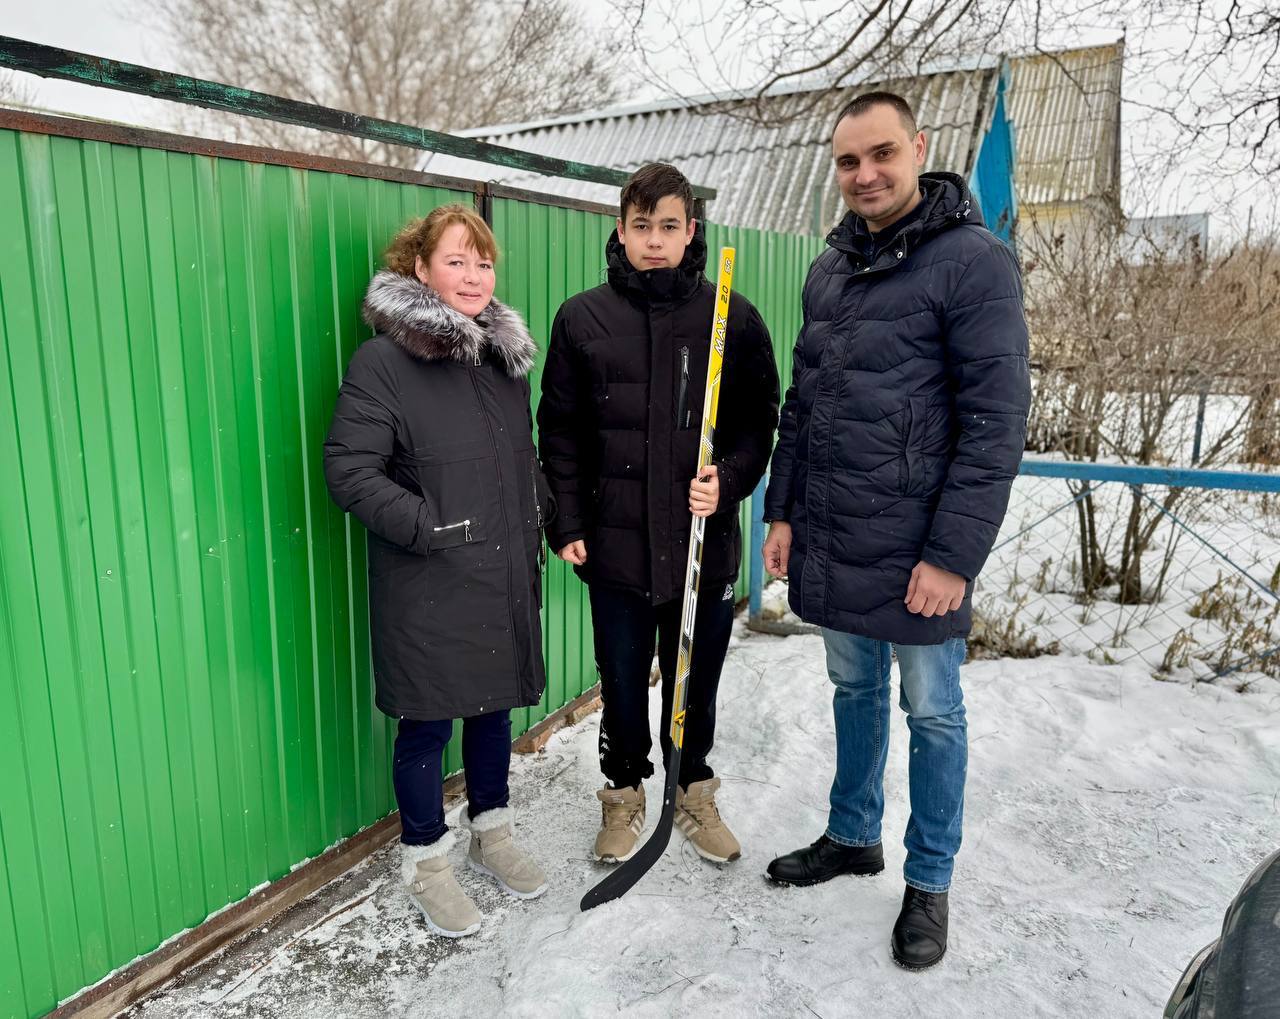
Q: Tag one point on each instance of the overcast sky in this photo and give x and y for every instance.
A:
(106, 30)
(89, 26)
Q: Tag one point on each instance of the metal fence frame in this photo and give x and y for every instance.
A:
(1136, 477)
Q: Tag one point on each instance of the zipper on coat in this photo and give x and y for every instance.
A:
(533, 476)
(682, 410)
(506, 524)
(464, 524)
(537, 506)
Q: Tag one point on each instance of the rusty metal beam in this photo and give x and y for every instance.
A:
(54, 62)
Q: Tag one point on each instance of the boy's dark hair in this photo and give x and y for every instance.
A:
(864, 102)
(652, 183)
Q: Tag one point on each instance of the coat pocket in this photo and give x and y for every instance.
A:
(451, 535)
(910, 460)
(457, 497)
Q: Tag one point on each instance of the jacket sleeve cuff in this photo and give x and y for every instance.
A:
(961, 566)
(558, 539)
(730, 495)
(422, 539)
(777, 499)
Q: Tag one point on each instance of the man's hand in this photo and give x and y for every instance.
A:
(704, 492)
(777, 549)
(933, 591)
(575, 552)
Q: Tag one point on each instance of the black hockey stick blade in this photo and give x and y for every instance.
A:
(619, 881)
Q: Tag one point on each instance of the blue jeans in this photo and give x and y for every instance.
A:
(419, 784)
(931, 697)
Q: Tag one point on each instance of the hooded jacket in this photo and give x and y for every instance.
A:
(431, 449)
(621, 415)
(905, 421)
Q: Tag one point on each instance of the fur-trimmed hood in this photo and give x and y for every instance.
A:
(420, 322)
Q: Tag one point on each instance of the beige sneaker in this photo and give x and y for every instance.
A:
(622, 821)
(429, 878)
(494, 852)
(698, 818)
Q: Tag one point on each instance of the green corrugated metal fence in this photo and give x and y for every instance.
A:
(183, 633)
(548, 255)
(185, 693)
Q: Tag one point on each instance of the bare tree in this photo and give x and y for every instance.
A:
(753, 49)
(443, 64)
(1126, 346)
(1208, 71)
(1226, 89)
(16, 89)
(1262, 436)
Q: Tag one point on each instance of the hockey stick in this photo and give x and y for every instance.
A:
(627, 873)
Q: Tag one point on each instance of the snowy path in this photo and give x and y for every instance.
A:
(1109, 820)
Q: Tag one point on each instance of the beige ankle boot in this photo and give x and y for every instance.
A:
(494, 852)
(698, 818)
(428, 875)
(621, 822)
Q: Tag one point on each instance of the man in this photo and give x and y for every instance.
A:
(900, 436)
(619, 424)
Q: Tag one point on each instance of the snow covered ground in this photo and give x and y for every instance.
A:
(1109, 820)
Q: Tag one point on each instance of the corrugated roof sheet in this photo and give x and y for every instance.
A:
(776, 177)
(1065, 109)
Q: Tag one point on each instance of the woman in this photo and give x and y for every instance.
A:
(431, 448)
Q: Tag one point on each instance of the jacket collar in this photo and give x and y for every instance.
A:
(659, 286)
(947, 203)
(420, 322)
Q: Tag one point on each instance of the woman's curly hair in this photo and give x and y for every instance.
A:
(419, 237)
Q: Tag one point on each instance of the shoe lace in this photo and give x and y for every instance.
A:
(617, 816)
(926, 904)
(704, 811)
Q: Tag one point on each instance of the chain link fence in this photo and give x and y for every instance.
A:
(1176, 569)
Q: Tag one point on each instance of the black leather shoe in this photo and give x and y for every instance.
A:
(920, 935)
(824, 860)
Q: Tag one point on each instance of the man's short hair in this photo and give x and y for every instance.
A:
(652, 183)
(864, 102)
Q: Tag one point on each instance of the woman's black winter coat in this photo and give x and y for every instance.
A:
(431, 448)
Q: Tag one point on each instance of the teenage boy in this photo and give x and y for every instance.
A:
(619, 425)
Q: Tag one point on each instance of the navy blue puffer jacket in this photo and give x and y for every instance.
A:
(906, 417)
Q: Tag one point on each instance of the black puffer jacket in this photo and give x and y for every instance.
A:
(620, 416)
(431, 448)
(906, 417)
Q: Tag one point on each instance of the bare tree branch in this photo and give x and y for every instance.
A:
(1132, 329)
(17, 89)
(1207, 73)
(442, 64)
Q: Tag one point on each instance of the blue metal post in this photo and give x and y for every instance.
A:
(756, 556)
